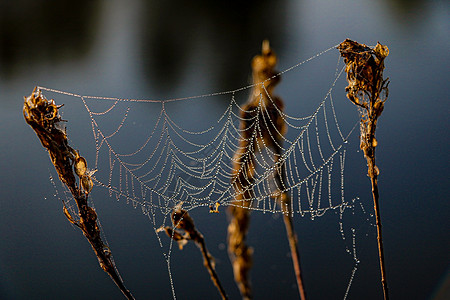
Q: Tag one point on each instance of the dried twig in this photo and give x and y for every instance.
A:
(369, 91)
(261, 106)
(181, 220)
(43, 117)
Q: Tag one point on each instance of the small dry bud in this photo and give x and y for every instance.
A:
(214, 210)
(80, 166)
(374, 142)
(86, 183)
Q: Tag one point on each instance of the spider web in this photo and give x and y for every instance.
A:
(148, 156)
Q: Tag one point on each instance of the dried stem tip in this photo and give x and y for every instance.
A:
(366, 89)
(43, 117)
(364, 68)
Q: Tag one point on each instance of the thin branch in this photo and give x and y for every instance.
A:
(285, 201)
(293, 243)
(364, 67)
(181, 220)
(43, 117)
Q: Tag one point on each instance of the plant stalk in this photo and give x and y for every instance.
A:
(293, 244)
(183, 231)
(375, 194)
(43, 117)
(285, 201)
(368, 90)
(200, 241)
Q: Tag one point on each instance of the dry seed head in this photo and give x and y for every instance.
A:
(374, 142)
(364, 68)
(80, 166)
(87, 184)
(39, 110)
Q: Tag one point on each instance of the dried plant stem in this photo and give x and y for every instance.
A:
(43, 117)
(240, 253)
(379, 237)
(293, 244)
(373, 174)
(261, 105)
(207, 260)
(181, 220)
(92, 233)
(369, 91)
(285, 201)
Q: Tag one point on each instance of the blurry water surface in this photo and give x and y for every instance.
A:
(168, 49)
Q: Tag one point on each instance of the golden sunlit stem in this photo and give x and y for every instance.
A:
(369, 91)
(43, 117)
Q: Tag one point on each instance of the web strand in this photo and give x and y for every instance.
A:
(175, 164)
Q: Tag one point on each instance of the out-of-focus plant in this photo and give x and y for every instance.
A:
(257, 134)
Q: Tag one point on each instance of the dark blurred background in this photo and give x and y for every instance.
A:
(167, 49)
